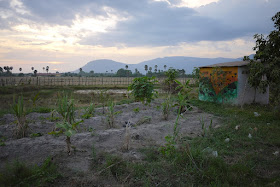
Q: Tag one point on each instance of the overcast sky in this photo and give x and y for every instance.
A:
(66, 34)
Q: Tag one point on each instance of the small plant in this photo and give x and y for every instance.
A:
(103, 98)
(89, 111)
(136, 110)
(110, 114)
(66, 109)
(166, 107)
(142, 89)
(182, 104)
(33, 135)
(203, 127)
(35, 98)
(2, 141)
(53, 116)
(21, 125)
(169, 147)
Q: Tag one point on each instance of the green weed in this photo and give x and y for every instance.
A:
(19, 174)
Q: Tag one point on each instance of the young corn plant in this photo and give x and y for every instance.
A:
(68, 126)
(110, 114)
(21, 126)
(166, 107)
(183, 96)
(103, 98)
(89, 111)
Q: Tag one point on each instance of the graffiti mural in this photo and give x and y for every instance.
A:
(218, 84)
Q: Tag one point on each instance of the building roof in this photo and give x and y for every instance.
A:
(228, 64)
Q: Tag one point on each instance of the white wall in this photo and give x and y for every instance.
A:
(246, 93)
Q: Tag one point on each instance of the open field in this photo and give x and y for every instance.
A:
(73, 81)
(214, 147)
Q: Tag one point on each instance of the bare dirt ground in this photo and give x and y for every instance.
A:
(94, 131)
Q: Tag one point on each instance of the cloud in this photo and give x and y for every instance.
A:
(159, 23)
(141, 23)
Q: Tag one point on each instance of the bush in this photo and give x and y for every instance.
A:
(169, 83)
(143, 89)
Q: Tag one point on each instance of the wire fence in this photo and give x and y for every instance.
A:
(74, 81)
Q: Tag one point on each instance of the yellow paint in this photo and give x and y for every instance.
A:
(231, 76)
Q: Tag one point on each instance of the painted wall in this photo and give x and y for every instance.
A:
(219, 88)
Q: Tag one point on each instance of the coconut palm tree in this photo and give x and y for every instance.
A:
(146, 68)
(32, 68)
(156, 68)
(164, 67)
(47, 69)
(20, 69)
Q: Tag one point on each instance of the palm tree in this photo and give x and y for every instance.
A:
(146, 68)
(81, 69)
(35, 72)
(20, 69)
(126, 67)
(156, 68)
(1, 70)
(32, 68)
(11, 68)
(164, 67)
(47, 69)
(43, 69)
(150, 69)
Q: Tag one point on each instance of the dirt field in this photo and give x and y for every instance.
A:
(94, 131)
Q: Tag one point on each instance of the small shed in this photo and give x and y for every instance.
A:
(228, 83)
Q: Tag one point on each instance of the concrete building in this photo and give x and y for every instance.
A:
(228, 83)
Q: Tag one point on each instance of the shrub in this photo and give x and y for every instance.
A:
(169, 83)
(143, 89)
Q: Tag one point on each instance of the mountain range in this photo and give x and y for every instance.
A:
(178, 62)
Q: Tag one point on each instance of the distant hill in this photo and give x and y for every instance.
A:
(178, 62)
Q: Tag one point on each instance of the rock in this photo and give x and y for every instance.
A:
(215, 153)
(227, 140)
(237, 127)
(249, 135)
(256, 114)
(217, 126)
(276, 153)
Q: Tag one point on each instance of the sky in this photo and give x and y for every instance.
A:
(66, 34)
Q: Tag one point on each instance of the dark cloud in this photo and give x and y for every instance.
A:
(152, 23)
(157, 23)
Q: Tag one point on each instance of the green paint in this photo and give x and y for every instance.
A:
(207, 92)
